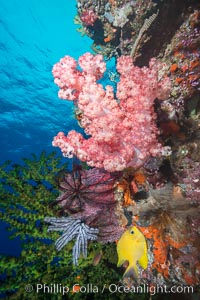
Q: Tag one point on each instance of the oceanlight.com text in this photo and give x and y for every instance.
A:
(58, 288)
(151, 289)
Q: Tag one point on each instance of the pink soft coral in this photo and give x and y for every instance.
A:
(88, 17)
(123, 131)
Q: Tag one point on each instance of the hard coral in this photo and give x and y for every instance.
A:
(123, 132)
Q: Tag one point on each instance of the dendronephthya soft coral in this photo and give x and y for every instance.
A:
(122, 131)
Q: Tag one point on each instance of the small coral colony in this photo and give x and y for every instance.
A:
(140, 187)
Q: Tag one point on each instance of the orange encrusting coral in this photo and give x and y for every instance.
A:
(189, 279)
(193, 77)
(123, 186)
(186, 66)
(161, 245)
(178, 80)
(194, 63)
(176, 53)
(173, 68)
(175, 244)
(184, 62)
(129, 186)
(139, 177)
(159, 249)
(107, 39)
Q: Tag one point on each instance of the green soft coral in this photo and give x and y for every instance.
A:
(25, 194)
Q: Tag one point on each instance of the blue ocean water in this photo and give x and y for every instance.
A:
(35, 34)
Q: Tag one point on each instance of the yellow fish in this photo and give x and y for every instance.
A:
(132, 247)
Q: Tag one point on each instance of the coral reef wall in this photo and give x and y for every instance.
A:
(154, 111)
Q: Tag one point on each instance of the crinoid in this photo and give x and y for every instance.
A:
(72, 229)
(80, 187)
(90, 196)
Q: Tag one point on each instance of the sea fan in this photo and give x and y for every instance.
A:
(94, 186)
(72, 228)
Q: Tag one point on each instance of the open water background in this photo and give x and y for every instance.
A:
(34, 35)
